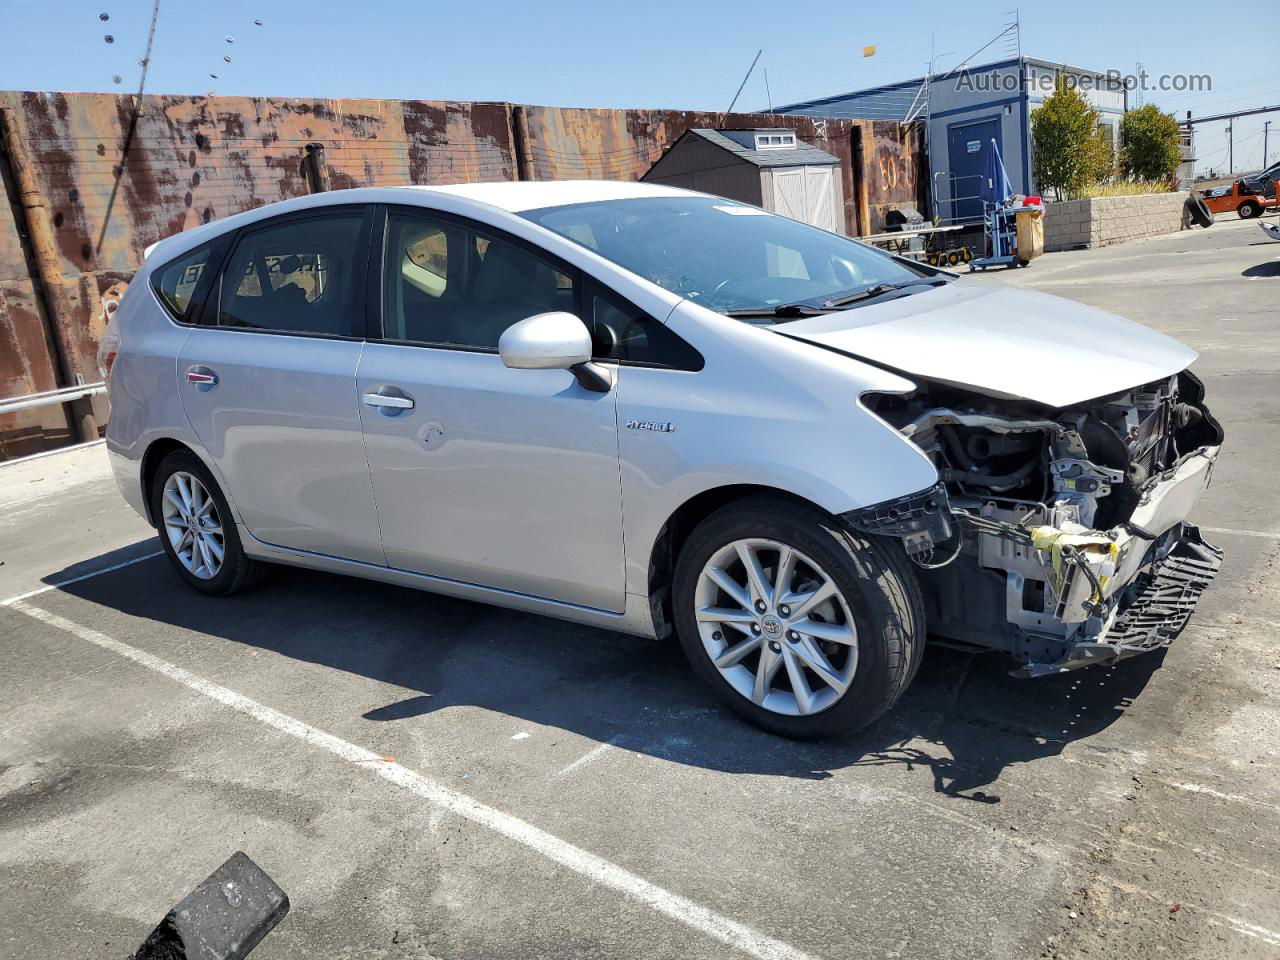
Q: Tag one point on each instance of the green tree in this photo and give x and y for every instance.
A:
(1149, 144)
(1067, 155)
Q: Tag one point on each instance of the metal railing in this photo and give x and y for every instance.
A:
(63, 395)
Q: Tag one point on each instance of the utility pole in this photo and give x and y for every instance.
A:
(1266, 126)
(1230, 146)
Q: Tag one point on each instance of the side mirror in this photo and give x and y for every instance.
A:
(547, 341)
(552, 341)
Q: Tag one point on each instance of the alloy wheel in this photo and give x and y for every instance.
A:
(776, 626)
(192, 524)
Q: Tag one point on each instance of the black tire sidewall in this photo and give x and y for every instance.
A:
(1200, 212)
(234, 562)
(888, 648)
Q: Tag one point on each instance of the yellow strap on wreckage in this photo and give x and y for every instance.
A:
(1063, 548)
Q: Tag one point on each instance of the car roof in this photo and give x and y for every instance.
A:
(507, 196)
(516, 196)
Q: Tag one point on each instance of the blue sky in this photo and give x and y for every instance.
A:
(659, 53)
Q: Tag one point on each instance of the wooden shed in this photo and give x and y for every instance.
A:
(769, 168)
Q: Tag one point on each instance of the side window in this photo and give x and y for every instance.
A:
(449, 285)
(301, 276)
(178, 283)
(627, 334)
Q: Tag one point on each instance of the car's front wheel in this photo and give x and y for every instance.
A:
(196, 528)
(806, 628)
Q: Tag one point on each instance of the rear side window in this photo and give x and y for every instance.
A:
(301, 276)
(178, 283)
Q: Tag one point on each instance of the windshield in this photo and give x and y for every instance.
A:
(727, 256)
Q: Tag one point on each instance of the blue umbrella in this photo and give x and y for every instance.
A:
(995, 190)
(995, 182)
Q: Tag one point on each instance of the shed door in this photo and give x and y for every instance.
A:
(788, 193)
(807, 194)
(820, 199)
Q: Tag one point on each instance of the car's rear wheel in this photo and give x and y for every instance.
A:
(196, 528)
(1248, 210)
(805, 628)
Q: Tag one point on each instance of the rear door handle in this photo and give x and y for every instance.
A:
(202, 377)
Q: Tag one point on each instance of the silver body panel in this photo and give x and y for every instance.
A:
(283, 427)
(501, 477)
(1003, 341)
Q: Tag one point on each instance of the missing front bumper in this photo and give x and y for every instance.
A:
(1152, 612)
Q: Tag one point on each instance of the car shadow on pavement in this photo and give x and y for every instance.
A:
(1268, 268)
(964, 718)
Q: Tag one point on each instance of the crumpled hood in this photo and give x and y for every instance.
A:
(1003, 341)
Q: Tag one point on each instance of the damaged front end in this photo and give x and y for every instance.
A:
(1058, 536)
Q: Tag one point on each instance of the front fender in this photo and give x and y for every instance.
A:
(765, 411)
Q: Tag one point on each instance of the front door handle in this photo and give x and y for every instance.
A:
(389, 401)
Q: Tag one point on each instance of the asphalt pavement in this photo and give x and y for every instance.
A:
(427, 777)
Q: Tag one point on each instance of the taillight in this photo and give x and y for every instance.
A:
(110, 342)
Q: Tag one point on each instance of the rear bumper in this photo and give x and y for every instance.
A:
(1153, 609)
(128, 476)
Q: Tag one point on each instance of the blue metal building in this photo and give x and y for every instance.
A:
(965, 110)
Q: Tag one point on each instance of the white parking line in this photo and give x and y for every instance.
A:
(586, 758)
(594, 868)
(84, 576)
(1242, 533)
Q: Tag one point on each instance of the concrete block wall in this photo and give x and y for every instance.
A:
(1102, 221)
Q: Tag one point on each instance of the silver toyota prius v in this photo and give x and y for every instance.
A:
(663, 413)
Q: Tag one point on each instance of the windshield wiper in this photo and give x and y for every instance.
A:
(804, 308)
(781, 310)
(877, 290)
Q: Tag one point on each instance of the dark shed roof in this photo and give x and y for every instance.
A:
(800, 156)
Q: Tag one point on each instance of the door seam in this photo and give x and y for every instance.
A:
(364, 445)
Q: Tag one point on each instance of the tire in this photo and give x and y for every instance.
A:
(235, 571)
(953, 258)
(1248, 210)
(1200, 214)
(877, 594)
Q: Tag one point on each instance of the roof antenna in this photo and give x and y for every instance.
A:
(741, 85)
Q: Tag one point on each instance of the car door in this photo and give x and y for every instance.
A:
(268, 382)
(484, 474)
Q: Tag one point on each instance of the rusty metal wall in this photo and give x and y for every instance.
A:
(87, 209)
(893, 161)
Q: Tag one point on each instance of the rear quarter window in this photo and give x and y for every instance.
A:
(180, 283)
